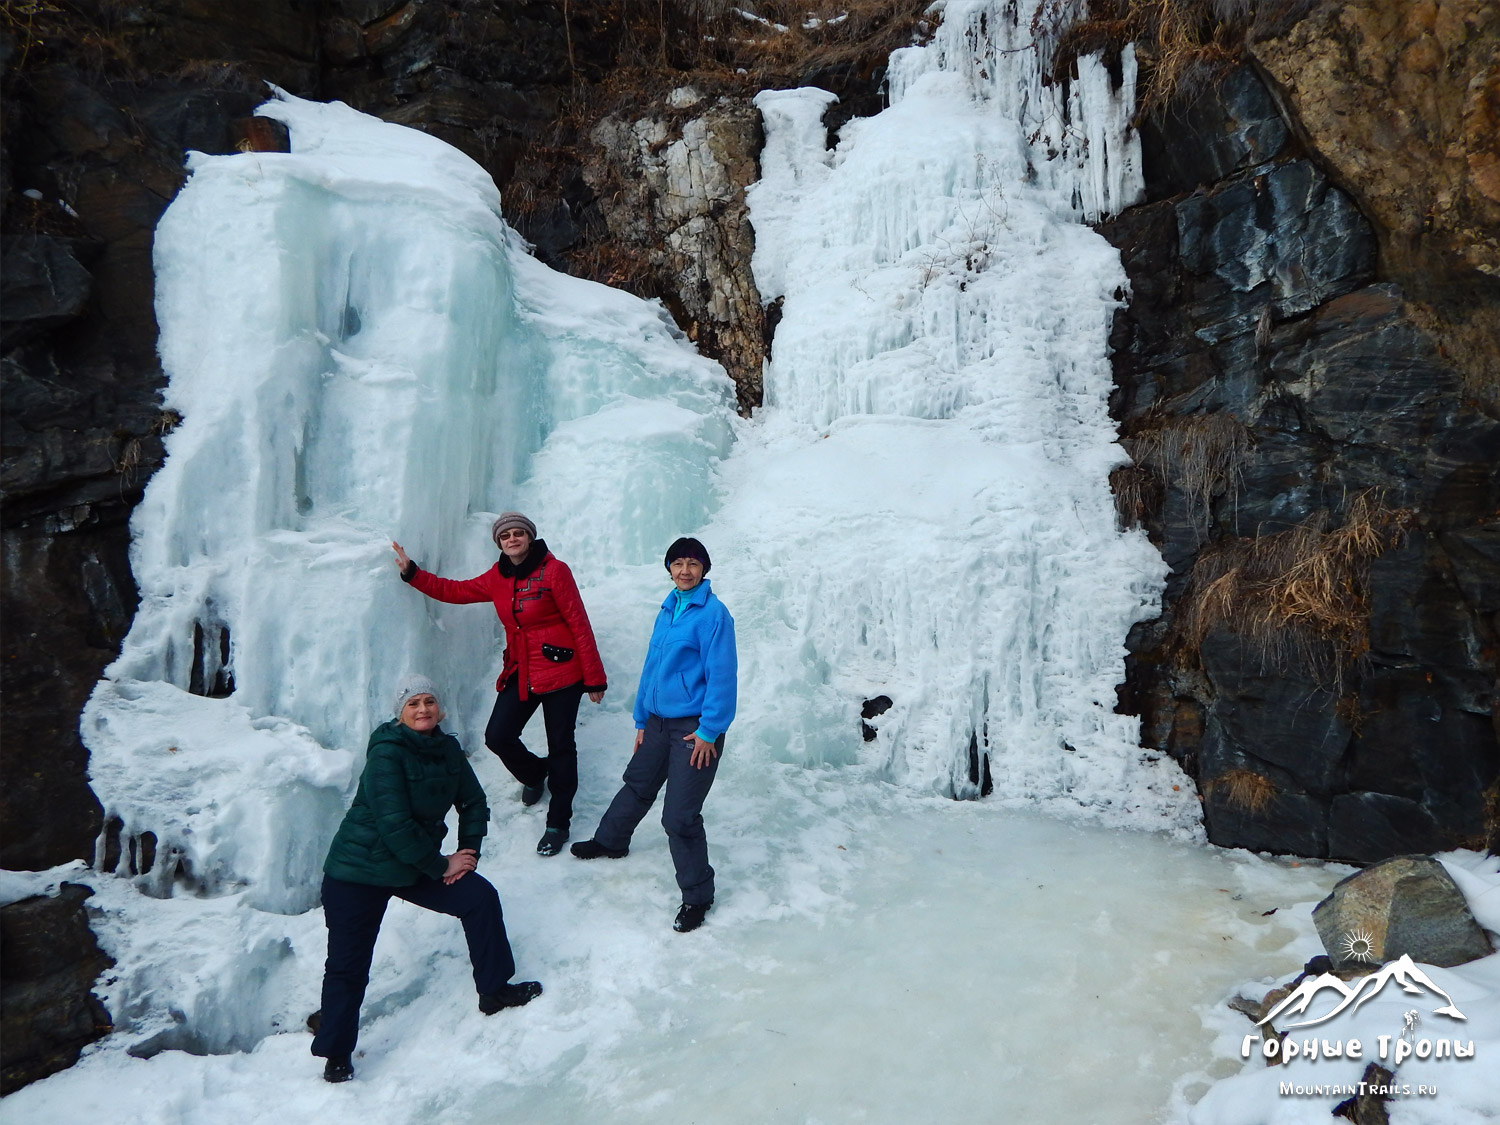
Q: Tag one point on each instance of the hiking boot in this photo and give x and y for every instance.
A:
(552, 841)
(593, 849)
(338, 1069)
(315, 1021)
(509, 996)
(690, 916)
(531, 794)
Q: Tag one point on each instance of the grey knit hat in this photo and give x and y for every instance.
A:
(509, 520)
(414, 683)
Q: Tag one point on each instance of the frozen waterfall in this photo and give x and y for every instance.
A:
(361, 350)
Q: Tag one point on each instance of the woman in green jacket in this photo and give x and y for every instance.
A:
(389, 844)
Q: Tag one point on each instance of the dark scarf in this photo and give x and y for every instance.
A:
(525, 567)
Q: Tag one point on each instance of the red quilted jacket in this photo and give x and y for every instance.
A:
(548, 640)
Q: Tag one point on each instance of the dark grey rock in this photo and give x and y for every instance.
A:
(1290, 823)
(48, 966)
(1210, 135)
(1405, 905)
(195, 119)
(368, 11)
(1279, 236)
(1275, 713)
(1474, 555)
(43, 285)
(1367, 827)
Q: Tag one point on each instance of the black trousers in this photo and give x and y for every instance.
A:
(560, 767)
(664, 758)
(353, 912)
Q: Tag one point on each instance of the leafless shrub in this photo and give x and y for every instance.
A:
(1199, 454)
(1138, 495)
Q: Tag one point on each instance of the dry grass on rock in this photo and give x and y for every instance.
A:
(1200, 455)
(1243, 790)
(1301, 596)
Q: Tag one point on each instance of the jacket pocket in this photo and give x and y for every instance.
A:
(556, 653)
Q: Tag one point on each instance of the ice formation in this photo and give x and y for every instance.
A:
(935, 445)
(361, 350)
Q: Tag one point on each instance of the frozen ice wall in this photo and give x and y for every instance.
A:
(927, 507)
(360, 350)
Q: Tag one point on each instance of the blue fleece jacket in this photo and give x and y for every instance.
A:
(690, 666)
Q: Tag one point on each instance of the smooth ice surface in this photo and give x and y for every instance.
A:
(878, 957)
(361, 350)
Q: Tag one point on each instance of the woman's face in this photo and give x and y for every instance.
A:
(686, 573)
(421, 713)
(514, 542)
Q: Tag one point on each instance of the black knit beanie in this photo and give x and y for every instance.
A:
(687, 548)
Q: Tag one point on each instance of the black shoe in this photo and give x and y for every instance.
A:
(552, 841)
(509, 996)
(531, 794)
(690, 916)
(338, 1070)
(593, 849)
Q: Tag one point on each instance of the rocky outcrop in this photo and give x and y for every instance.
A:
(671, 186)
(47, 1009)
(97, 116)
(1401, 102)
(1314, 464)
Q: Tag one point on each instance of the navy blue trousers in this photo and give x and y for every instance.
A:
(353, 911)
(559, 769)
(664, 758)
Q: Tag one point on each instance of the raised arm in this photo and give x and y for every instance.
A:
(476, 589)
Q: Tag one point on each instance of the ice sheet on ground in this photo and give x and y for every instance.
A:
(875, 957)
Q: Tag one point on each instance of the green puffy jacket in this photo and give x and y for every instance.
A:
(393, 833)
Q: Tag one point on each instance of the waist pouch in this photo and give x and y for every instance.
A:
(557, 654)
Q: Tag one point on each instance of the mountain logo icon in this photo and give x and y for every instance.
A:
(1403, 971)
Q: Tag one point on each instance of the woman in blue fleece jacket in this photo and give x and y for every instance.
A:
(683, 706)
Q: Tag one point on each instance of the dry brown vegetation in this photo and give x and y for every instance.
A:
(1302, 596)
(1181, 45)
(762, 43)
(1199, 454)
(1244, 790)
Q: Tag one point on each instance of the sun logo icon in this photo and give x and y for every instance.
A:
(1358, 945)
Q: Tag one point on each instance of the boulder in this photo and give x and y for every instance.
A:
(1404, 905)
(49, 965)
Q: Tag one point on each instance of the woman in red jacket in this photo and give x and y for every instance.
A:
(551, 660)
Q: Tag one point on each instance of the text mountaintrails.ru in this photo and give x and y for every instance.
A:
(1358, 1089)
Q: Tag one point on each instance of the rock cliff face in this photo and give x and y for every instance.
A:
(97, 115)
(1316, 448)
(672, 187)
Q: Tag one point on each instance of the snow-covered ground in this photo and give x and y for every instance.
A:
(361, 351)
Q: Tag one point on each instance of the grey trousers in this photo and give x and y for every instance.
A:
(664, 758)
